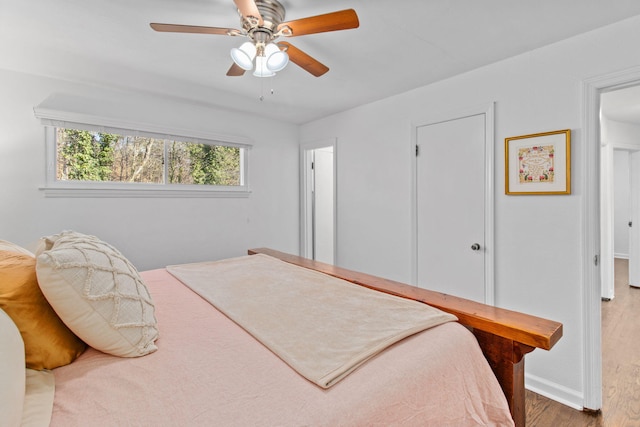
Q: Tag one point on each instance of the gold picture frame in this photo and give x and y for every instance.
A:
(538, 164)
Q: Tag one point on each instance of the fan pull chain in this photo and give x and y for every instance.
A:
(261, 89)
(261, 97)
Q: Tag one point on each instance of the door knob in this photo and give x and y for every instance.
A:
(475, 247)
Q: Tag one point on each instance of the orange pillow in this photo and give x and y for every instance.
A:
(47, 340)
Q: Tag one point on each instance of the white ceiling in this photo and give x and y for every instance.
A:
(399, 46)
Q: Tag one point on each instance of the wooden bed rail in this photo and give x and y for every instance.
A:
(505, 336)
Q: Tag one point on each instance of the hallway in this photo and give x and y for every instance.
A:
(620, 367)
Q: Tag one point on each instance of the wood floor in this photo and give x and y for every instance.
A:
(620, 367)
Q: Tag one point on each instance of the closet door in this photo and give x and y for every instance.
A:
(450, 202)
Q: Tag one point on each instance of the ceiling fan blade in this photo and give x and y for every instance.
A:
(248, 9)
(174, 28)
(303, 60)
(341, 20)
(235, 71)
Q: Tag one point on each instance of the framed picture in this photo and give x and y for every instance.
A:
(539, 163)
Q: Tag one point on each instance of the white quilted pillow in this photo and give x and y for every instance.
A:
(98, 294)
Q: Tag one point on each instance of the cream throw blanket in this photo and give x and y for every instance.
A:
(321, 326)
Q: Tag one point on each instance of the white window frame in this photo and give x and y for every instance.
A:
(58, 188)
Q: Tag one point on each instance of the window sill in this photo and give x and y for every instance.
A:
(111, 192)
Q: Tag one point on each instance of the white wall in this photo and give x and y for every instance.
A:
(152, 232)
(538, 242)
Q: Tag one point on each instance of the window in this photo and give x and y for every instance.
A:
(87, 160)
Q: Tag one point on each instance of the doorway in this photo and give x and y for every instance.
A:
(620, 181)
(592, 91)
(453, 205)
(620, 177)
(318, 201)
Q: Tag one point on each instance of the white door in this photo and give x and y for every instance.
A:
(450, 202)
(323, 227)
(318, 200)
(607, 218)
(634, 230)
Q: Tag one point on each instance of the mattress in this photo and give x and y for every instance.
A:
(209, 371)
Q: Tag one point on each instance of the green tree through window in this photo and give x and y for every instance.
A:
(85, 156)
(95, 156)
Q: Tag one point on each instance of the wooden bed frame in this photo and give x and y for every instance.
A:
(504, 336)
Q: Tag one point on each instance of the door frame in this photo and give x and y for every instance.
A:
(489, 260)
(591, 304)
(306, 207)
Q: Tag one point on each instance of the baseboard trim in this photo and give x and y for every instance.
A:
(553, 391)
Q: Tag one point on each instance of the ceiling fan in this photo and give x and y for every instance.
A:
(263, 22)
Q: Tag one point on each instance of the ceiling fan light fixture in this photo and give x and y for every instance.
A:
(263, 21)
(276, 58)
(243, 56)
(261, 68)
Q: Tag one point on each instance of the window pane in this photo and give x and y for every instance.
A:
(95, 156)
(91, 156)
(191, 163)
(139, 159)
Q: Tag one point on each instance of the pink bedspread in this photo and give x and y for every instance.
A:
(210, 372)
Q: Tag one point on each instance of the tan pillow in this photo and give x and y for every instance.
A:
(48, 342)
(12, 247)
(98, 293)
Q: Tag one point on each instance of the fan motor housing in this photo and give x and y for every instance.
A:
(272, 12)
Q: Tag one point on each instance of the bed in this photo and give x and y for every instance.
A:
(189, 363)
